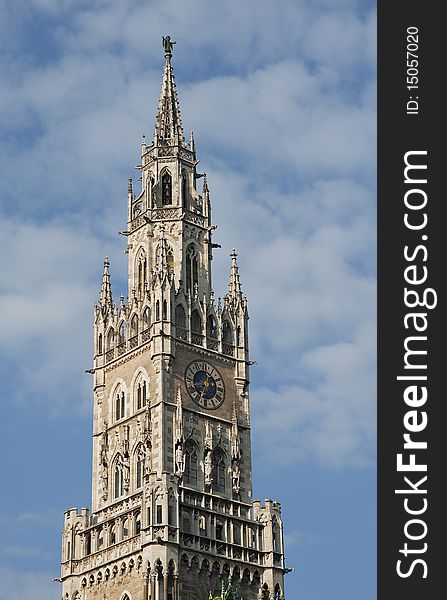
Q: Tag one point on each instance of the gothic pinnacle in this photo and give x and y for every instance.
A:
(105, 297)
(234, 285)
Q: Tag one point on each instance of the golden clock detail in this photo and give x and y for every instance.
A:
(204, 384)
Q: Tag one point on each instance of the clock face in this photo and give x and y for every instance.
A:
(204, 384)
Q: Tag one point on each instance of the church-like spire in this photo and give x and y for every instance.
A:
(234, 285)
(105, 297)
(168, 124)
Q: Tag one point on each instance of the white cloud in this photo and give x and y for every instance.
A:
(287, 137)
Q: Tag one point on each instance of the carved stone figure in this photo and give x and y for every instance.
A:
(236, 477)
(208, 468)
(179, 460)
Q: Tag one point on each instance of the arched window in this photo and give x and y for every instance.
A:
(146, 317)
(122, 333)
(218, 471)
(211, 327)
(134, 326)
(184, 189)
(125, 528)
(140, 462)
(227, 333)
(110, 338)
(120, 405)
(118, 479)
(165, 310)
(142, 273)
(112, 535)
(100, 343)
(238, 336)
(157, 310)
(141, 389)
(180, 316)
(190, 472)
(166, 188)
(196, 322)
(137, 523)
(87, 544)
(192, 270)
(100, 538)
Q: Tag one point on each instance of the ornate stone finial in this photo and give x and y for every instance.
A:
(167, 44)
(105, 297)
(129, 186)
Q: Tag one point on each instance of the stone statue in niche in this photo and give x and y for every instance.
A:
(179, 460)
(208, 467)
(236, 477)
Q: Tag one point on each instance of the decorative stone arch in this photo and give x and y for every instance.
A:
(180, 316)
(227, 330)
(125, 595)
(134, 325)
(146, 318)
(197, 320)
(110, 338)
(212, 330)
(122, 332)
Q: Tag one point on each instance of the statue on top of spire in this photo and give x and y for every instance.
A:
(167, 44)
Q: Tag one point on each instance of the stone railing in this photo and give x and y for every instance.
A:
(133, 342)
(227, 349)
(121, 348)
(197, 338)
(110, 354)
(181, 333)
(212, 343)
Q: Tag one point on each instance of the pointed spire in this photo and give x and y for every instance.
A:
(168, 124)
(234, 285)
(105, 297)
(192, 144)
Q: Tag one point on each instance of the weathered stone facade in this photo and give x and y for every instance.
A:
(172, 512)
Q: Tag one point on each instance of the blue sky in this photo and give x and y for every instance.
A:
(281, 98)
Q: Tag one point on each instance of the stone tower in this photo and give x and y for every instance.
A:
(172, 511)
